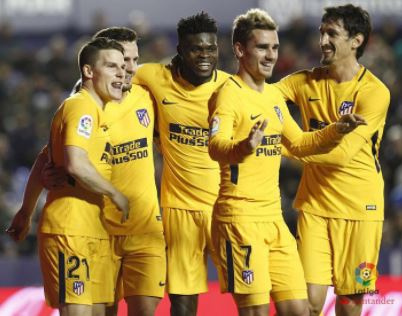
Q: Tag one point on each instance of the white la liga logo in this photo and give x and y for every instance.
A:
(85, 126)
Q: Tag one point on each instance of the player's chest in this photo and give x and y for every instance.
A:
(134, 124)
(327, 102)
(188, 110)
(260, 110)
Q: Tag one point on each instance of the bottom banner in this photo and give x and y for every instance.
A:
(29, 301)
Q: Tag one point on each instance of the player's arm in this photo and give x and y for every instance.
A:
(296, 143)
(301, 144)
(340, 156)
(290, 85)
(77, 121)
(21, 222)
(225, 150)
(222, 147)
(145, 75)
(373, 106)
(81, 169)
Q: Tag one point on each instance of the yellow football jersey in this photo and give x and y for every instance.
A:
(249, 189)
(190, 179)
(73, 210)
(346, 183)
(131, 128)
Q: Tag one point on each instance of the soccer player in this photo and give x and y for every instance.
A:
(138, 245)
(257, 253)
(74, 247)
(340, 196)
(190, 179)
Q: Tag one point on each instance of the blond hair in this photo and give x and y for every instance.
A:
(253, 19)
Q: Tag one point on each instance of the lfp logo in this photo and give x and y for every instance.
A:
(365, 273)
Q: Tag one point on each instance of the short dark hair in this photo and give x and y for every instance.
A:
(253, 19)
(120, 34)
(355, 21)
(195, 24)
(89, 52)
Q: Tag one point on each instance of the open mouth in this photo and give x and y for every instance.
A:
(326, 50)
(117, 85)
(204, 66)
(267, 65)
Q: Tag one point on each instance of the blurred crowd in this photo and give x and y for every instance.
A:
(38, 71)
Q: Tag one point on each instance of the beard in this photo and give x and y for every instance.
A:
(126, 87)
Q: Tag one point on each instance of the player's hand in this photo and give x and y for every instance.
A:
(53, 178)
(20, 225)
(349, 122)
(256, 134)
(122, 204)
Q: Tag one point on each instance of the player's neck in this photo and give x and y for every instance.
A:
(253, 83)
(87, 85)
(345, 71)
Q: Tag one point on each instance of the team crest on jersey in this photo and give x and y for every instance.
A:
(214, 126)
(346, 107)
(78, 287)
(85, 126)
(248, 276)
(278, 113)
(143, 117)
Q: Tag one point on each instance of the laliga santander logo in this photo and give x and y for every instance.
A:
(85, 126)
(365, 273)
(86, 123)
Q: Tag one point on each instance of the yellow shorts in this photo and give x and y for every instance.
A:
(140, 264)
(76, 269)
(188, 240)
(339, 252)
(256, 260)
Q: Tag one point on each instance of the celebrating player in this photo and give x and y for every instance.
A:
(257, 253)
(74, 247)
(340, 195)
(190, 179)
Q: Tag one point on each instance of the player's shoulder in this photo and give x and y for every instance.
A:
(150, 70)
(81, 103)
(221, 76)
(153, 68)
(233, 83)
(82, 99)
(141, 92)
(372, 82)
(305, 75)
(231, 89)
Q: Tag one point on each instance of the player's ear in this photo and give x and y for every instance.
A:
(357, 40)
(238, 49)
(87, 71)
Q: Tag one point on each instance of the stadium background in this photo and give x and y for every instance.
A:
(39, 40)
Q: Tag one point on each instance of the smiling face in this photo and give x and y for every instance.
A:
(336, 45)
(258, 57)
(108, 74)
(199, 56)
(131, 62)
